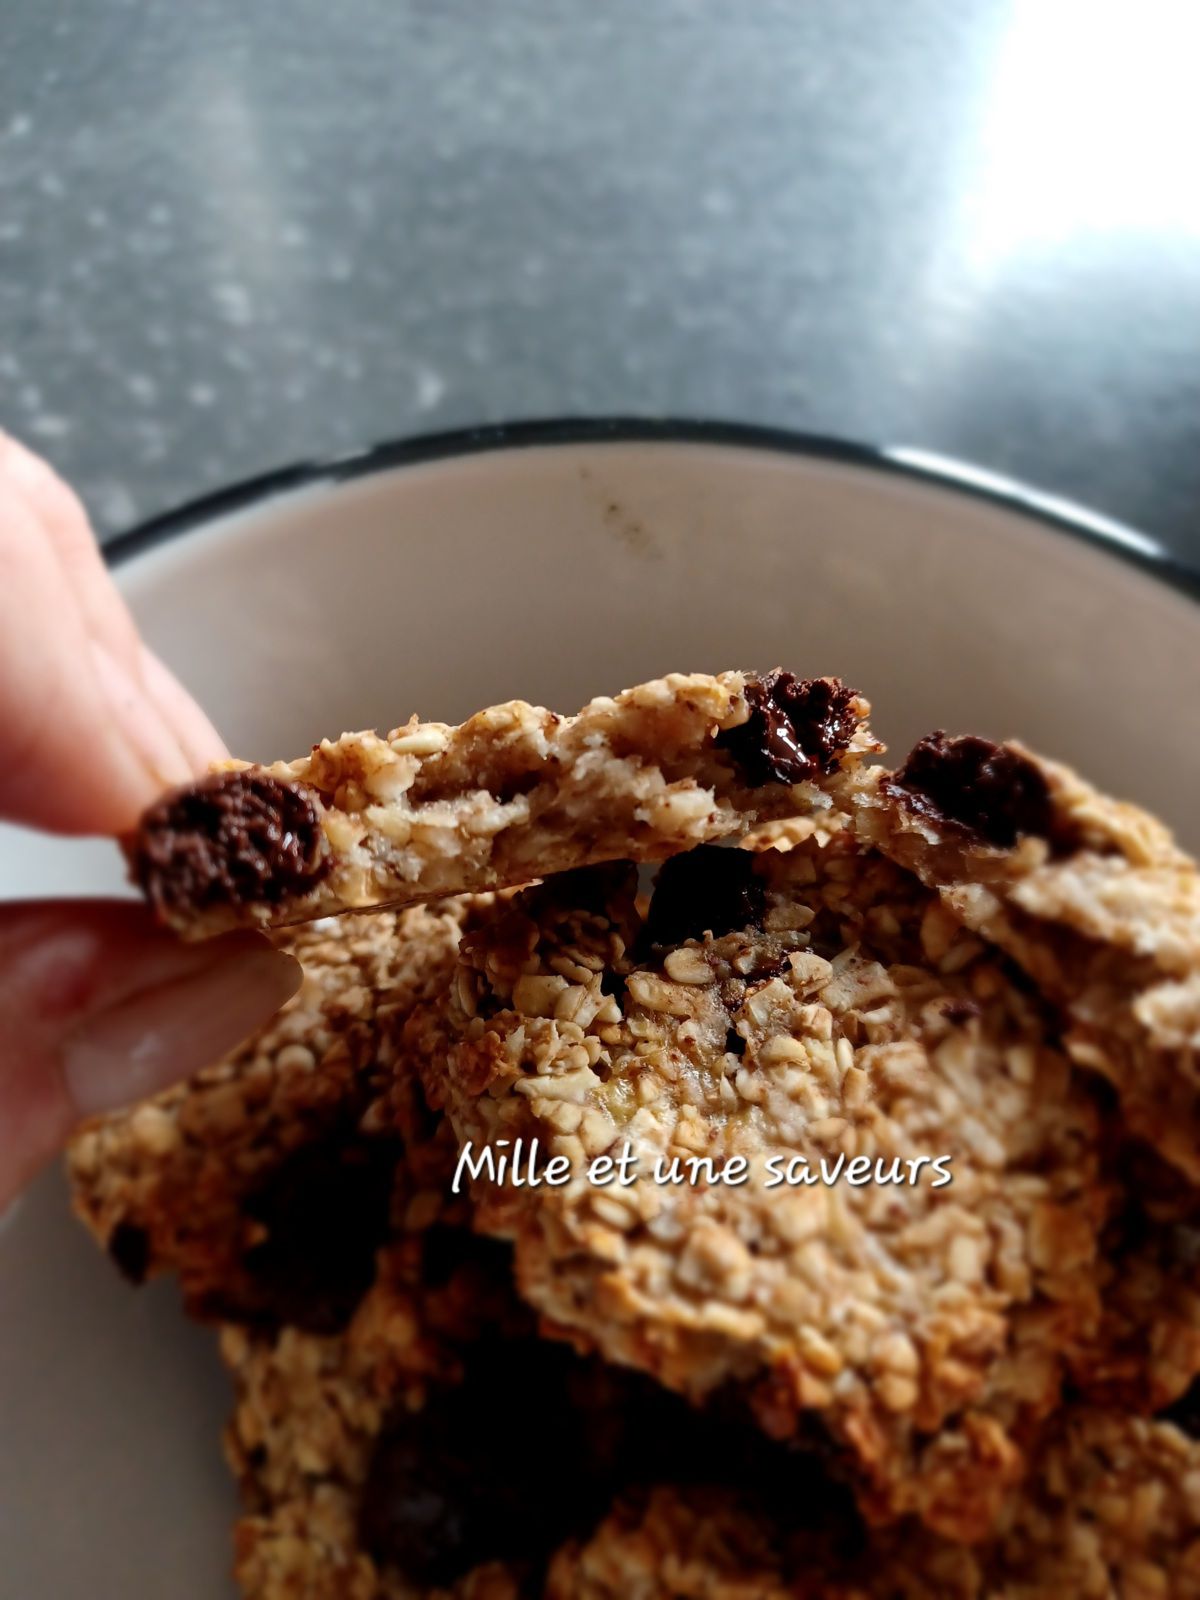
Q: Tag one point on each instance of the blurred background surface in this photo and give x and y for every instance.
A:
(234, 236)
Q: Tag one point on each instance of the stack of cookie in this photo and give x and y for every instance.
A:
(872, 1262)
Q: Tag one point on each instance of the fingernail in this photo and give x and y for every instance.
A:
(56, 967)
(167, 1033)
(142, 725)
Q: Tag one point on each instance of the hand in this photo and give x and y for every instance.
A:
(98, 1006)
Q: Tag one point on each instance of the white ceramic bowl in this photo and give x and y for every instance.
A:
(551, 563)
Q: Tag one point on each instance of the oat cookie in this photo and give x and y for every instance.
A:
(1091, 896)
(415, 1455)
(1111, 1511)
(514, 793)
(313, 1413)
(438, 1447)
(671, 1544)
(1145, 1353)
(261, 1180)
(775, 1009)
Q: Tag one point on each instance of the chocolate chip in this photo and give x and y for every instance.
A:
(231, 839)
(493, 1469)
(325, 1212)
(426, 1505)
(603, 890)
(960, 1011)
(708, 889)
(720, 1446)
(534, 1444)
(797, 728)
(129, 1247)
(989, 789)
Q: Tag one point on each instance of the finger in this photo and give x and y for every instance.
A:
(99, 1007)
(201, 743)
(82, 747)
(166, 725)
(56, 510)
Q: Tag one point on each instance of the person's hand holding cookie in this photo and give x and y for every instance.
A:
(98, 1006)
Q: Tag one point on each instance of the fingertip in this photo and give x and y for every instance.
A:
(244, 943)
(46, 492)
(95, 1020)
(281, 973)
(98, 725)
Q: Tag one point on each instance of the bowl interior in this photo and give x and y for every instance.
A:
(549, 573)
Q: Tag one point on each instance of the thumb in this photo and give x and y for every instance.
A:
(100, 1007)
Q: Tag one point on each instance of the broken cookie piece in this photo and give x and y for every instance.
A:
(348, 1493)
(1111, 1511)
(887, 1289)
(514, 793)
(825, 1015)
(1089, 895)
(1145, 1352)
(261, 1180)
(438, 1447)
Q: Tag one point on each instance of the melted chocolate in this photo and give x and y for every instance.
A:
(232, 839)
(991, 790)
(708, 889)
(796, 729)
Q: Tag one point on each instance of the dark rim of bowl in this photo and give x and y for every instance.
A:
(956, 477)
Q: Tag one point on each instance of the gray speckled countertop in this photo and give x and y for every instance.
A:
(232, 236)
